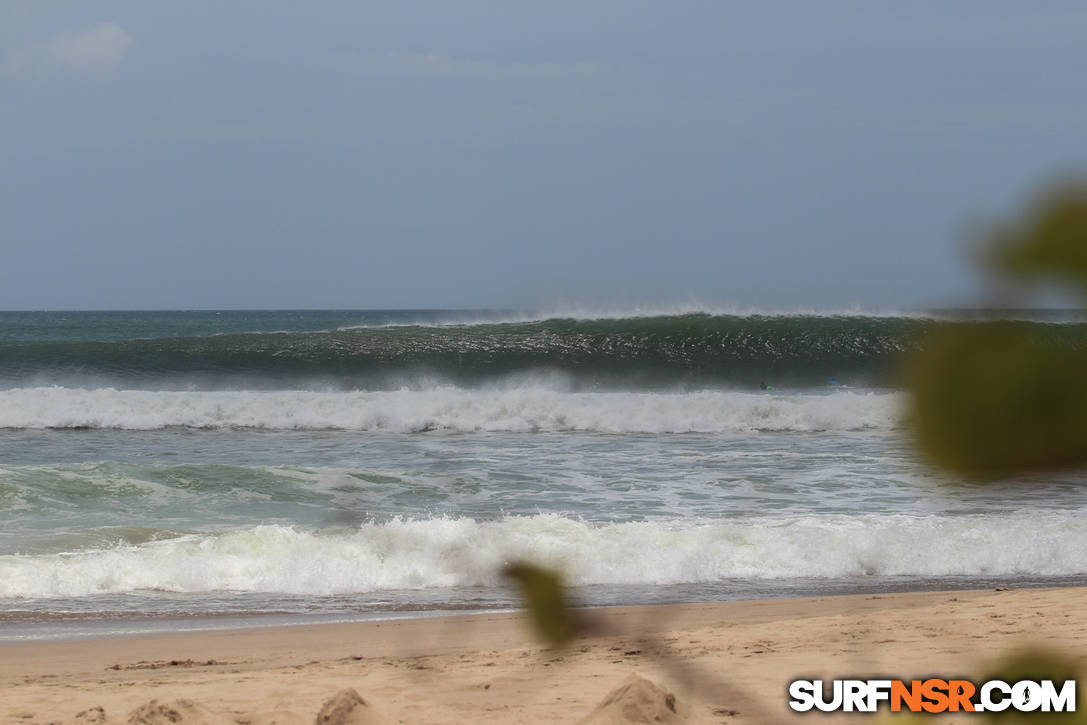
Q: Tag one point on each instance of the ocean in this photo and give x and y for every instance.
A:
(172, 471)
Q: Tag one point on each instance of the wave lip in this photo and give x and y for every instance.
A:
(463, 552)
(527, 409)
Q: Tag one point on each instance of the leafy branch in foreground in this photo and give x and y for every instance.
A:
(997, 399)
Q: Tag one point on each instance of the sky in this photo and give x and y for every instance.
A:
(278, 154)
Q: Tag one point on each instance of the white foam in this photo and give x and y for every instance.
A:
(458, 552)
(449, 408)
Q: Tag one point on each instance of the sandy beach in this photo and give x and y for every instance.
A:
(723, 662)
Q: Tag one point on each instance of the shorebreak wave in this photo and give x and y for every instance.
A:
(463, 552)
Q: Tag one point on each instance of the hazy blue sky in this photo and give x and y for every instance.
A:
(433, 154)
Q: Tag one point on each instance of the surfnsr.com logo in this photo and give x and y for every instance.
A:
(932, 695)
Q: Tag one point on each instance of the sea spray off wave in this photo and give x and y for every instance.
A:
(462, 552)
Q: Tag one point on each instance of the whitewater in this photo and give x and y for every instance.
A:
(450, 408)
(166, 467)
(447, 553)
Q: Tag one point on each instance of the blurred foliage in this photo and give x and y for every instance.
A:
(995, 399)
(1036, 664)
(545, 599)
(1050, 241)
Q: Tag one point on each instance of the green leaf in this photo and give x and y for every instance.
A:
(997, 399)
(545, 599)
(1050, 241)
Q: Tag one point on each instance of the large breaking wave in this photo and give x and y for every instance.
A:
(693, 350)
(630, 353)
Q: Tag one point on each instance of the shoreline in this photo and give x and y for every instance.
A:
(43, 626)
(487, 668)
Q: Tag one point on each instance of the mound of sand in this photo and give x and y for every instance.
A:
(178, 712)
(92, 716)
(347, 707)
(637, 700)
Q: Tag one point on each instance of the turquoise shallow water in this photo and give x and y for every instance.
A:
(177, 494)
